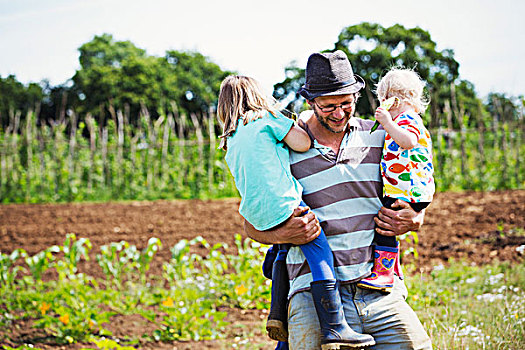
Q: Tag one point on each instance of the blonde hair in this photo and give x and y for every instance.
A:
(407, 85)
(241, 97)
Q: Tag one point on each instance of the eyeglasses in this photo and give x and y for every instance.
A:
(331, 108)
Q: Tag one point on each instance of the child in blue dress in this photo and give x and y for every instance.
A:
(256, 137)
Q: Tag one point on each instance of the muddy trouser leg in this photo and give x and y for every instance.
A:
(387, 317)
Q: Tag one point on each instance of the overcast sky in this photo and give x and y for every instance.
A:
(40, 38)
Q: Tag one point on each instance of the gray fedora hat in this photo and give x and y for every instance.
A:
(329, 74)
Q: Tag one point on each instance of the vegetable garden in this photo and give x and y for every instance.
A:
(176, 274)
(154, 256)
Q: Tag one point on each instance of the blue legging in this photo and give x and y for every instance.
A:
(318, 255)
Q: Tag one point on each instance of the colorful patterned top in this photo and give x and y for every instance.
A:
(408, 173)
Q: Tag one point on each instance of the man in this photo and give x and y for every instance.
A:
(342, 185)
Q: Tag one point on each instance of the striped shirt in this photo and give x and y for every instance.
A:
(344, 193)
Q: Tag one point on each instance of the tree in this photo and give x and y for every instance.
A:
(372, 50)
(119, 74)
(194, 81)
(15, 97)
(114, 72)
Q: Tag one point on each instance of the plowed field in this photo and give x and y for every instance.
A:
(476, 226)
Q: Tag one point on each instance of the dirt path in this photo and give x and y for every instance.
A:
(480, 227)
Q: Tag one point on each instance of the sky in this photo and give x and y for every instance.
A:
(39, 39)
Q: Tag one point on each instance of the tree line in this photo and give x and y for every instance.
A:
(119, 76)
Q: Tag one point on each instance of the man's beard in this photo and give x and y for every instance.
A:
(328, 127)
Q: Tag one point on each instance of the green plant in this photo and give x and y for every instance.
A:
(120, 260)
(73, 251)
(40, 262)
(246, 286)
(411, 238)
(115, 260)
(108, 344)
(8, 270)
(71, 311)
(464, 306)
(189, 313)
(146, 256)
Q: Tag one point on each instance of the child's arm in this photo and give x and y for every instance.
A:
(404, 138)
(297, 139)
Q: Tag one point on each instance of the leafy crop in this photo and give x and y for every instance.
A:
(461, 306)
(156, 161)
(183, 305)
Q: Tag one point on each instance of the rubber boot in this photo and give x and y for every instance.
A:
(335, 332)
(382, 277)
(397, 267)
(269, 259)
(277, 323)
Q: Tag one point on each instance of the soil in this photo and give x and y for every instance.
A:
(479, 227)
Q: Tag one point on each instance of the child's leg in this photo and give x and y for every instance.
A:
(379, 239)
(386, 253)
(334, 329)
(277, 323)
(269, 259)
(320, 258)
(386, 257)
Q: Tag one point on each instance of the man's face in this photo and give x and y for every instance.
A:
(334, 112)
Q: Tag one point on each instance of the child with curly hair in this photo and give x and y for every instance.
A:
(406, 164)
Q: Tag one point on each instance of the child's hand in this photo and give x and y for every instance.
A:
(382, 116)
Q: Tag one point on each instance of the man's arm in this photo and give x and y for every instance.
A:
(299, 229)
(395, 223)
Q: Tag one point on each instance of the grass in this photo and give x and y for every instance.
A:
(461, 306)
(472, 307)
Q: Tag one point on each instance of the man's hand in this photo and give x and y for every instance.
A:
(299, 229)
(395, 223)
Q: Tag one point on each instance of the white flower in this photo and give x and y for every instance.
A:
(473, 332)
(490, 297)
(439, 267)
(496, 278)
(471, 280)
